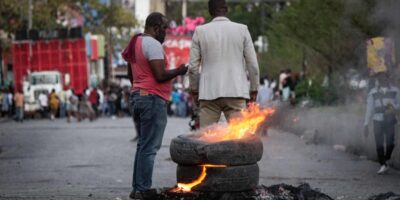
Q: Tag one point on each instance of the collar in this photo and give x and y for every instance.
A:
(220, 18)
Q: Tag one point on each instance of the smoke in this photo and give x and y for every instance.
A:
(343, 124)
(385, 14)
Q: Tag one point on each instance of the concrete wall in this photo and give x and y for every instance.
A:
(336, 125)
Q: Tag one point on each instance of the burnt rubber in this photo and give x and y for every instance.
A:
(227, 179)
(186, 150)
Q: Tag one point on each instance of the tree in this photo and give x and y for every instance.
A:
(100, 18)
(332, 32)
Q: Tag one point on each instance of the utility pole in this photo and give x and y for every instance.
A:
(184, 9)
(30, 27)
(30, 15)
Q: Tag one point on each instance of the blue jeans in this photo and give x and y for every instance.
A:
(62, 110)
(19, 114)
(150, 118)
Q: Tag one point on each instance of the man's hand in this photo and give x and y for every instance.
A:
(366, 131)
(182, 69)
(253, 96)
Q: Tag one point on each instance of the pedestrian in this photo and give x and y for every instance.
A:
(19, 106)
(282, 77)
(382, 104)
(288, 86)
(101, 101)
(94, 99)
(225, 51)
(112, 103)
(175, 98)
(85, 109)
(265, 93)
(54, 104)
(11, 102)
(105, 109)
(264, 98)
(72, 106)
(5, 105)
(44, 104)
(63, 97)
(151, 88)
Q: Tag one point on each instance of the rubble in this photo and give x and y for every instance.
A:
(274, 192)
(339, 147)
(385, 196)
(310, 136)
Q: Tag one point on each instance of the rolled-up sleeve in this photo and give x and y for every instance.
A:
(251, 61)
(194, 63)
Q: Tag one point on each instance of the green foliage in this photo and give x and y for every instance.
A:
(325, 95)
(283, 53)
(11, 14)
(302, 89)
(250, 14)
(330, 33)
(116, 16)
(14, 14)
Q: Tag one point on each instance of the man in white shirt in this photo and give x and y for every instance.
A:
(44, 104)
(229, 69)
(383, 102)
(264, 96)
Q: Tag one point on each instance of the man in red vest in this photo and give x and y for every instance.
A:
(151, 89)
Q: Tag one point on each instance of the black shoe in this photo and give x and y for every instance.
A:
(148, 194)
(135, 195)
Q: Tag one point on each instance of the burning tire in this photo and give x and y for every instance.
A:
(185, 150)
(220, 179)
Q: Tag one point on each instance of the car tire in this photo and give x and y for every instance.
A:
(185, 150)
(225, 179)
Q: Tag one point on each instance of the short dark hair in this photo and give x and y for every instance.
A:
(155, 19)
(262, 81)
(215, 6)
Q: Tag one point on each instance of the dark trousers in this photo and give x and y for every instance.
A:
(384, 132)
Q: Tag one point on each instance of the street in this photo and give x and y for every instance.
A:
(43, 159)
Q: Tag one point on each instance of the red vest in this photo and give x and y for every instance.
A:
(143, 77)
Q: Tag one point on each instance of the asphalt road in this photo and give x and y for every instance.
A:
(45, 159)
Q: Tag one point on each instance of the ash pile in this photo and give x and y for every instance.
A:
(274, 192)
(385, 196)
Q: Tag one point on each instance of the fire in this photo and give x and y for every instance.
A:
(187, 187)
(239, 127)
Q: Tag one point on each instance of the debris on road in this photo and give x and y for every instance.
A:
(274, 192)
(310, 136)
(339, 147)
(385, 196)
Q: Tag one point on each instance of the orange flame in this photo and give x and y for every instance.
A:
(239, 127)
(187, 187)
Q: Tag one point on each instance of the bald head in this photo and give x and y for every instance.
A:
(217, 8)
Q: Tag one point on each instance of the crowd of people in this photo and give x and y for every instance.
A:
(281, 89)
(91, 104)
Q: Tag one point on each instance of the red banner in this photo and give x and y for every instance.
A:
(177, 50)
